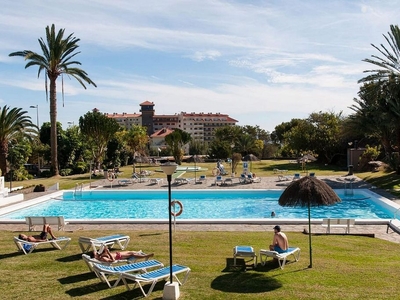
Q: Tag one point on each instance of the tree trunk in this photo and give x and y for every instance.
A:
(3, 158)
(53, 128)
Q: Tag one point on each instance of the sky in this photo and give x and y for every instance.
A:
(262, 62)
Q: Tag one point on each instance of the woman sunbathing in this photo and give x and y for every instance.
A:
(108, 256)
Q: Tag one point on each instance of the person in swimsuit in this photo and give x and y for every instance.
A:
(108, 256)
(42, 237)
(280, 242)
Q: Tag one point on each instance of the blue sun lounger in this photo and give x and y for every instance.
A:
(155, 276)
(103, 271)
(281, 257)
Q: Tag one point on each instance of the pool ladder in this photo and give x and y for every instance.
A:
(78, 190)
(348, 188)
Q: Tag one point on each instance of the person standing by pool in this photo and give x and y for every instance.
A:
(42, 237)
(280, 241)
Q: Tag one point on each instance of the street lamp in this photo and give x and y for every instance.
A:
(37, 114)
(71, 123)
(171, 290)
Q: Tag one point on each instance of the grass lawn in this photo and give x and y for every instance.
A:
(344, 267)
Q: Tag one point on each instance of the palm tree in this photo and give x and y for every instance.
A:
(13, 123)
(389, 64)
(55, 61)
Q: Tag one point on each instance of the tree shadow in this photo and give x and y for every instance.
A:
(245, 282)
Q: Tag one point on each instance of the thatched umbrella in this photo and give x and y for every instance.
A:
(308, 191)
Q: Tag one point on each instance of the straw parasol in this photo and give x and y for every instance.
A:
(308, 191)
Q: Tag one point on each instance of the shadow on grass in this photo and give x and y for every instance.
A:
(88, 289)
(70, 258)
(77, 278)
(136, 293)
(12, 254)
(245, 282)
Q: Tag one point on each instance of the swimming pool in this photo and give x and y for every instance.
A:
(199, 205)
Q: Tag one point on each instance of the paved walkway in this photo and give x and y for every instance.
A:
(337, 182)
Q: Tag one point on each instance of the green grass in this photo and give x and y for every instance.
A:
(344, 267)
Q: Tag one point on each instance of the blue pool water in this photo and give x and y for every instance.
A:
(199, 204)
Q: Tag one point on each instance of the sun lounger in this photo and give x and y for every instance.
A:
(242, 178)
(125, 182)
(246, 252)
(202, 178)
(394, 224)
(156, 181)
(296, 177)
(103, 271)
(228, 181)
(27, 247)
(281, 257)
(283, 178)
(51, 220)
(93, 244)
(155, 276)
(90, 261)
(338, 223)
(219, 180)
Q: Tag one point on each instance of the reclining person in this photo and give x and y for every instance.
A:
(108, 256)
(42, 237)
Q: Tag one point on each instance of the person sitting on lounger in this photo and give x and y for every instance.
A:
(280, 242)
(108, 256)
(42, 237)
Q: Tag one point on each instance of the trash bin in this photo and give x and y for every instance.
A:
(350, 170)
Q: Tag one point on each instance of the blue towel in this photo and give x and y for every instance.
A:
(27, 247)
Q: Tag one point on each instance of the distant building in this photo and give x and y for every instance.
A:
(200, 126)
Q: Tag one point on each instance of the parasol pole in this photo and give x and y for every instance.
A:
(309, 231)
(195, 169)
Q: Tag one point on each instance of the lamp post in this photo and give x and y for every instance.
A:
(37, 114)
(171, 291)
(71, 123)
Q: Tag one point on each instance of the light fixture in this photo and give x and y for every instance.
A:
(171, 289)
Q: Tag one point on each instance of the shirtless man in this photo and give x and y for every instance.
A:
(42, 237)
(280, 242)
(108, 256)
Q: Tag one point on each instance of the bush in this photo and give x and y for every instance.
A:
(39, 188)
(81, 168)
(65, 172)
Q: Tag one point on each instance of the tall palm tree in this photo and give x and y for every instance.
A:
(13, 123)
(389, 64)
(55, 61)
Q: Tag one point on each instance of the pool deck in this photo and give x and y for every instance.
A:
(337, 182)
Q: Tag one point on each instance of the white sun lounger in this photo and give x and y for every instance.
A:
(156, 181)
(27, 247)
(155, 276)
(281, 257)
(93, 244)
(245, 252)
(104, 271)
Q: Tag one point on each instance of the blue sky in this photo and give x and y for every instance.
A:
(261, 62)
